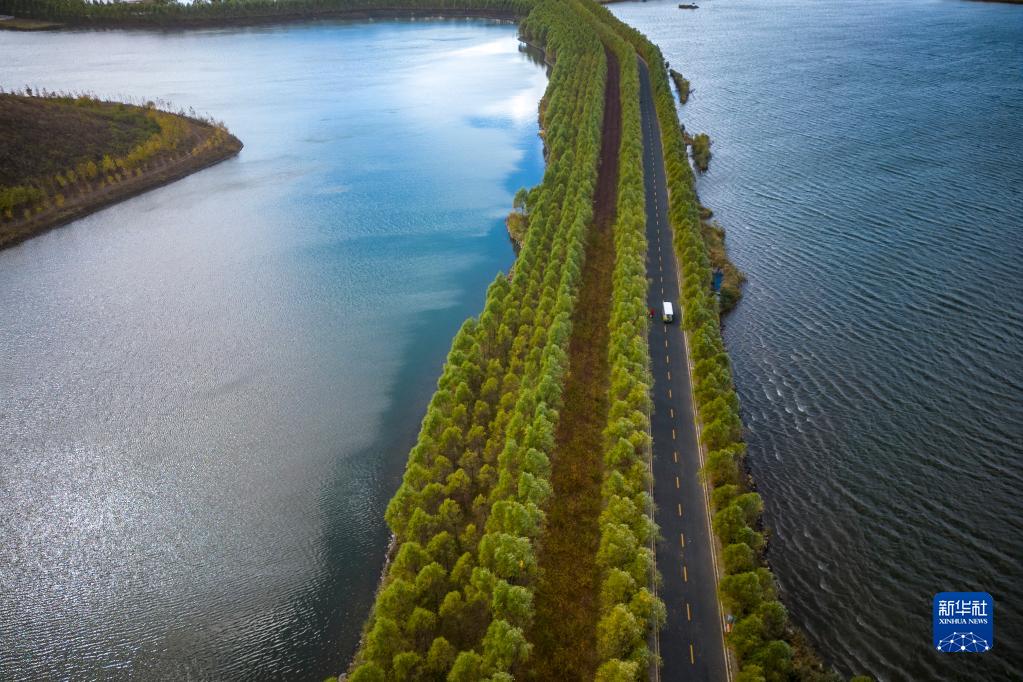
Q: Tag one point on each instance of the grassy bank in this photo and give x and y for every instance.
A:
(18, 24)
(63, 157)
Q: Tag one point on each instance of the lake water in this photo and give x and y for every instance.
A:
(868, 166)
(208, 392)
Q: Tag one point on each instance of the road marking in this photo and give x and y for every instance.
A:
(692, 657)
(673, 434)
(682, 538)
(666, 343)
(689, 614)
(676, 456)
(669, 391)
(676, 483)
(669, 379)
(685, 573)
(680, 509)
(667, 360)
(672, 412)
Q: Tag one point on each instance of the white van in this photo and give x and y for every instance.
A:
(669, 313)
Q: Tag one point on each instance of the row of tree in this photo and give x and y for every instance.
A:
(172, 12)
(629, 609)
(175, 138)
(457, 598)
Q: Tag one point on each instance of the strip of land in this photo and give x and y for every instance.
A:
(62, 157)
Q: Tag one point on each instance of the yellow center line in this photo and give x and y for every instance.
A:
(685, 573)
(676, 456)
(682, 537)
(676, 483)
(673, 434)
(692, 657)
(680, 509)
(689, 614)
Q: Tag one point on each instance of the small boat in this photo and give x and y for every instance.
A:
(683, 6)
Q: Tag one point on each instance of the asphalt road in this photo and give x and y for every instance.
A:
(691, 642)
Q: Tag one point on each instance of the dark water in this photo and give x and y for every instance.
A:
(207, 393)
(868, 165)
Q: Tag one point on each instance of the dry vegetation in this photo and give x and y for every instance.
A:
(64, 156)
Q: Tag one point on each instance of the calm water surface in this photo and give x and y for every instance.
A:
(207, 393)
(868, 165)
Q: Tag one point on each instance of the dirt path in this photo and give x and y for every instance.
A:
(567, 596)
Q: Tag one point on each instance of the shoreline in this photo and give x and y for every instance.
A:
(16, 233)
(269, 19)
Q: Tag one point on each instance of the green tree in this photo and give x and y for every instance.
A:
(440, 657)
(747, 636)
(504, 646)
(617, 670)
(368, 672)
(466, 668)
(741, 593)
(406, 666)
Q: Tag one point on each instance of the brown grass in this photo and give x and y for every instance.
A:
(18, 24)
(42, 136)
(564, 630)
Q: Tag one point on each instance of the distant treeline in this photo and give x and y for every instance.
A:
(171, 12)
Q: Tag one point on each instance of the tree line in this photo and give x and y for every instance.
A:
(629, 609)
(171, 12)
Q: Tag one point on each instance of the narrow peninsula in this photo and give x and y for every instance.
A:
(65, 156)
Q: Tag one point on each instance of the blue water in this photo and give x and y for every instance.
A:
(868, 166)
(208, 392)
